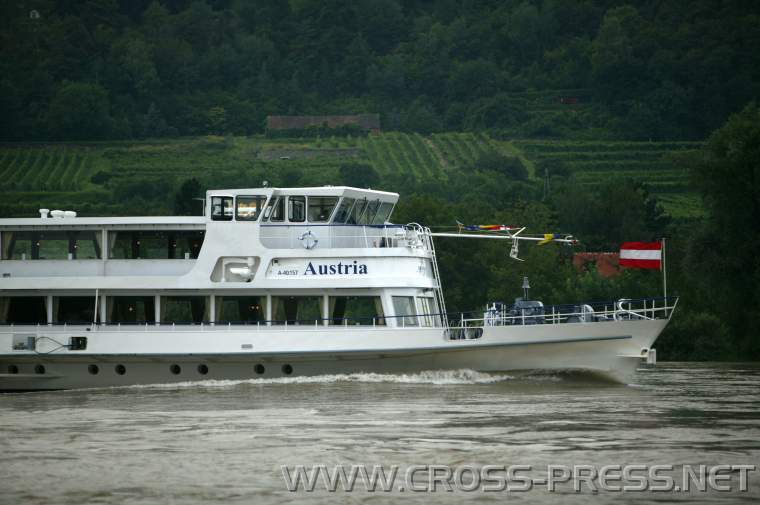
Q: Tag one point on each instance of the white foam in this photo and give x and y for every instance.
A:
(435, 377)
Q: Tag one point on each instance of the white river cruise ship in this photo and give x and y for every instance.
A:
(274, 282)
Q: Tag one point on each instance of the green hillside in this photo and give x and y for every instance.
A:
(96, 177)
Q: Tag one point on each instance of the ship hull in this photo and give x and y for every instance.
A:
(129, 357)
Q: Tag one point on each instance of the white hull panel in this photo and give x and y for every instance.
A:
(613, 348)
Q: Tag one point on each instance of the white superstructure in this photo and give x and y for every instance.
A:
(270, 282)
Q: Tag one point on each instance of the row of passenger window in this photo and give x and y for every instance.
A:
(300, 209)
(85, 244)
(363, 310)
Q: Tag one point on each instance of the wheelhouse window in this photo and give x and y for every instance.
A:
(383, 214)
(296, 209)
(356, 211)
(221, 208)
(343, 210)
(248, 208)
(405, 311)
(369, 213)
(321, 208)
(353, 310)
(426, 310)
(275, 211)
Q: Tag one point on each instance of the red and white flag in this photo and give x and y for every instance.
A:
(641, 255)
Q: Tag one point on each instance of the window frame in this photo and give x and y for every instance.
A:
(299, 199)
(259, 208)
(223, 216)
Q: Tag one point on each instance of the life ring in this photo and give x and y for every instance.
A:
(309, 240)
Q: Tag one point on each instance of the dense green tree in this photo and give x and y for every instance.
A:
(80, 111)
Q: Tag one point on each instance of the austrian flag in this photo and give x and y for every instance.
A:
(641, 255)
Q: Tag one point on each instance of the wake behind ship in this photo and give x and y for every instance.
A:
(274, 282)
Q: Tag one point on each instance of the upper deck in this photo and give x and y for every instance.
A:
(256, 237)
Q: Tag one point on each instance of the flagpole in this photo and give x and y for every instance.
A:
(664, 276)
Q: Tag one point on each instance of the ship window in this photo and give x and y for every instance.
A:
(275, 209)
(343, 209)
(130, 309)
(364, 310)
(405, 313)
(321, 207)
(369, 213)
(148, 244)
(296, 309)
(249, 207)
(240, 309)
(353, 217)
(22, 310)
(383, 213)
(74, 309)
(426, 310)
(51, 245)
(221, 208)
(296, 209)
(184, 309)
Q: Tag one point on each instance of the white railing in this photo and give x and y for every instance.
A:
(290, 236)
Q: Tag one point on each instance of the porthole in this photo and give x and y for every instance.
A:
(259, 369)
(120, 369)
(93, 369)
(287, 369)
(39, 369)
(12, 369)
(202, 369)
(175, 369)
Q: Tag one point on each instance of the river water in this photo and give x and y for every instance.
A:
(225, 442)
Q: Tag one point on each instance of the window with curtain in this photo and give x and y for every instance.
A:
(296, 309)
(184, 309)
(352, 310)
(130, 309)
(240, 309)
(406, 314)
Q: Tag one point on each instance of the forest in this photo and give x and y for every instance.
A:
(610, 120)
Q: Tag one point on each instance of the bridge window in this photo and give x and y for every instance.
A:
(249, 207)
(364, 310)
(383, 213)
(297, 209)
(221, 208)
(296, 309)
(426, 310)
(343, 209)
(131, 309)
(240, 309)
(356, 212)
(321, 207)
(369, 213)
(22, 310)
(275, 211)
(405, 313)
